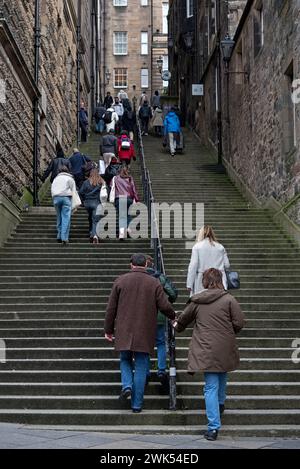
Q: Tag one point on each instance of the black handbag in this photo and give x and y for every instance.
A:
(233, 280)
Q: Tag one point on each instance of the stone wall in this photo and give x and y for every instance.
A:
(57, 87)
(264, 123)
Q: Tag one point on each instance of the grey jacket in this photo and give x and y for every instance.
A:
(109, 144)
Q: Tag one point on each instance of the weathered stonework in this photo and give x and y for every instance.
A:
(264, 123)
(57, 86)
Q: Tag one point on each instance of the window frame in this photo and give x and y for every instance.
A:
(115, 43)
(144, 44)
(115, 4)
(124, 84)
(143, 77)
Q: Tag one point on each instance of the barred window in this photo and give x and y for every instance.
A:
(120, 78)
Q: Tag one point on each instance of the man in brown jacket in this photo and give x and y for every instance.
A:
(132, 313)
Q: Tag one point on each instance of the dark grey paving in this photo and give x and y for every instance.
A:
(167, 440)
(284, 444)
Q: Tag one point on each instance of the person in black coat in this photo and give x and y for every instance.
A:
(129, 121)
(56, 164)
(108, 100)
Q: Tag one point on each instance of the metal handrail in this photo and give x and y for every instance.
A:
(156, 245)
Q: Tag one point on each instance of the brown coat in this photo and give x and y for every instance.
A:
(132, 311)
(218, 318)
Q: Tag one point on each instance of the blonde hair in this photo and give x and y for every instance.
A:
(207, 232)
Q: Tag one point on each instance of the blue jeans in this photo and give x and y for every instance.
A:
(215, 395)
(134, 367)
(63, 207)
(161, 349)
(100, 126)
(91, 208)
(122, 205)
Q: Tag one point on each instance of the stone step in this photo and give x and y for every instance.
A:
(186, 402)
(154, 388)
(152, 417)
(85, 376)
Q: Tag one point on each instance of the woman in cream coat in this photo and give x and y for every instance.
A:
(207, 253)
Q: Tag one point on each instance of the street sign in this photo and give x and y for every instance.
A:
(197, 90)
(166, 75)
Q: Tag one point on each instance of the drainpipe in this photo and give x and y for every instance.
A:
(92, 75)
(151, 49)
(219, 85)
(37, 42)
(97, 51)
(78, 62)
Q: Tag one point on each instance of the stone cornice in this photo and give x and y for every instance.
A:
(17, 60)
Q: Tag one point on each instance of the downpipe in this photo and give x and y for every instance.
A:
(37, 44)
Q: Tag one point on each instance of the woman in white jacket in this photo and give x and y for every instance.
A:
(206, 254)
(62, 191)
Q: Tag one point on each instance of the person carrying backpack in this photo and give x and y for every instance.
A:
(172, 293)
(78, 162)
(145, 114)
(125, 148)
(129, 121)
(110, 118)
(98, 115)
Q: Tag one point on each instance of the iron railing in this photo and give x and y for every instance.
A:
(158, 260)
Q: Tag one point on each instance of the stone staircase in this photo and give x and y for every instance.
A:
(60, 370)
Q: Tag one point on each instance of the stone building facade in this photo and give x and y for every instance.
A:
(264, 105)
(247, 113)
(134, 36)
(56, 90)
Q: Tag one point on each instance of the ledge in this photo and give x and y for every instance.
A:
(10, 217)
(17, 60)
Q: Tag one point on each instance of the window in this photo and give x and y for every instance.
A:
(144, 3)
(189, 8)
(144, 43)
(165, 11)
(120, 3)
(258, 26)
(144, 78)
(165, 67)
(120, 43)
(120, 78)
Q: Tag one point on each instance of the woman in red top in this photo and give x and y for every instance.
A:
(125, 148)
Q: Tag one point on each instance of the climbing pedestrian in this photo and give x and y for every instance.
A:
(98, 115)
(131, 316)
(90, 195)
(143, 98)
(56, 164)
(122, 95)
(110, 119)
(62, 190)
(217, 318)
(78, 162)
(160, 339)
(119, 109)
(83, 122)
(172, 130)
(108, 100)
(129, 121)
(206, 253)
(125, 195)
(145, 114)
(111, 171)
(109, 146)
(155, 101)
(125, 148)
(157, 122)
